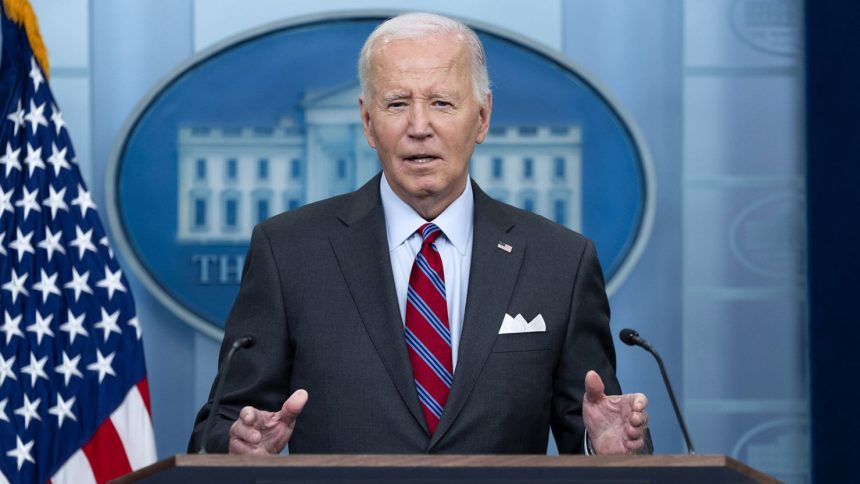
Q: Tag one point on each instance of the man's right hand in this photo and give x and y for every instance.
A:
(266, 433)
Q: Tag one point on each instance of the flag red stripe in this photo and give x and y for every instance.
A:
(106, 453)
(143, 388)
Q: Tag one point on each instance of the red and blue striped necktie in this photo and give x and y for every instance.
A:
(428, 335)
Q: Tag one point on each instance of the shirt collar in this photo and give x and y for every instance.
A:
(401, 220)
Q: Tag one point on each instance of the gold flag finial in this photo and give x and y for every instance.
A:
(21, 12)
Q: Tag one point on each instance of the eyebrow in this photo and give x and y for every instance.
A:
(443, 94)
(395, 96)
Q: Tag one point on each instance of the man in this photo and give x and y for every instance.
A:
(387, 314)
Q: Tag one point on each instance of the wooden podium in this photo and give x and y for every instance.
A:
(469, 469)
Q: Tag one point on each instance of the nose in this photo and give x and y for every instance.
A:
(419, 121)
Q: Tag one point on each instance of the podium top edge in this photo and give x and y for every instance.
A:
(424, 460)
(660, 463)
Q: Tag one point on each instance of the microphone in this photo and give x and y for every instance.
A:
(631, 338)
(246, 341)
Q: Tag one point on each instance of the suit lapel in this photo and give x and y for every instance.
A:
(493, 274)
(361, 249)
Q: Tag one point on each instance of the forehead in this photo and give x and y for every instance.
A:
(432, 59)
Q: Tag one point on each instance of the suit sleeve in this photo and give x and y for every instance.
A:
(587, 346)
(259, 376)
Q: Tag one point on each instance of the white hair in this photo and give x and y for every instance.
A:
(422, 26)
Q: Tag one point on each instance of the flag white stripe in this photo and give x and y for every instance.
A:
(132, 423)
(76, 470)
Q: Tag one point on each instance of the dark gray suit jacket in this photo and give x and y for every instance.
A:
(318, 293)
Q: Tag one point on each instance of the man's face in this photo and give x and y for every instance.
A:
(423, 120)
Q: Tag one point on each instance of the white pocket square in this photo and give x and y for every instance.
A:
(518, 324)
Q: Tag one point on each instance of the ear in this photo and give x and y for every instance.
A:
(484, 119)
(366, 123)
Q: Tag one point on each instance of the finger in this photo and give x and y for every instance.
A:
(644, 417)
(634, 433)
(240, 447)
(593, 387)
(634, 446)
(638, 419)
(640, 401)
(250, 416)
(239, 430)
(293, 406)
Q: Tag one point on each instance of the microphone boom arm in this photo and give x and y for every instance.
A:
(632, 338)
(246, 341)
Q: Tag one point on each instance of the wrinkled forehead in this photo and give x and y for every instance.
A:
(417, 56)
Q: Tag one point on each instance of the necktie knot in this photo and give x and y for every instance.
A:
(429, 233)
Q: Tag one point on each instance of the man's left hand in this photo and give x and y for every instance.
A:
(616, 424)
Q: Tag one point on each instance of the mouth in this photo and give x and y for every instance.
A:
(421, 158)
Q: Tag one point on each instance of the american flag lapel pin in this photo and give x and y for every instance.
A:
(505, 247)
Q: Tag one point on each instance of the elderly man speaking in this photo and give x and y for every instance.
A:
(418, 315)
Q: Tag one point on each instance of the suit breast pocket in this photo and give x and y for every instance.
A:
(507, 343)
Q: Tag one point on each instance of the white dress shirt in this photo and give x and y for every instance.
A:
(454, 245)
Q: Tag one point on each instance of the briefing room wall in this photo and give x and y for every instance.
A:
(635, 50)
(744, 226)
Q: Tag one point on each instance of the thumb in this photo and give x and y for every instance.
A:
(293, 406)
(593, 387)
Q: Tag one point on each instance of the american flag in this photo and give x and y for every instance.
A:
(74, 401)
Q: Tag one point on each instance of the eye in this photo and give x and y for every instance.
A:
(442, 104)
(396, 105)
